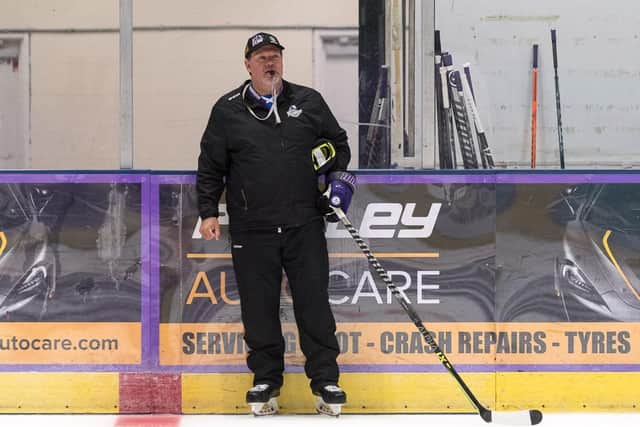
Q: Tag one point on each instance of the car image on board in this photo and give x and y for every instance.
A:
(597, 277)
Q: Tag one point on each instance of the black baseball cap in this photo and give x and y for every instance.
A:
(259, 40)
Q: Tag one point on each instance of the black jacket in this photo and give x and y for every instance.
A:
(267, 167)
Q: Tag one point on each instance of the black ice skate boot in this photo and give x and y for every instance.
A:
(330, 399)
(262, 398)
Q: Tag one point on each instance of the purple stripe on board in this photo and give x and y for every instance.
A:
(481, 178)
(73, 368)
(71, 178)
(413, 368)
(569, 178)
(490, 368)
(154, 274)
(373, 179)
(437, 368)
(217, 368)
(568, 368)
(145, 271)
(175, 179)
(431, 368)
(427, 179)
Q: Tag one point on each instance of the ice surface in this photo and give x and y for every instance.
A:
(346, 420)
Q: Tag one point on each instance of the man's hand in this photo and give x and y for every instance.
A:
(341, 186)
(210, 228)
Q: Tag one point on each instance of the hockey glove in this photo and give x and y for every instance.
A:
(323, 156)
(340, 188)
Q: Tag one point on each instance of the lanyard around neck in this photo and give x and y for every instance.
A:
(274, 105)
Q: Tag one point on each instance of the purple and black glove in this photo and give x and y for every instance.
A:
(340, 188)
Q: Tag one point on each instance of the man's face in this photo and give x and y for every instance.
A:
(263, 65)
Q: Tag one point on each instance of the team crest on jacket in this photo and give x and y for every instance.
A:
(294, 111)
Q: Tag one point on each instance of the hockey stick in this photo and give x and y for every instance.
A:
(485, 152)
(463, 126)
(377, 140)
(449, 142)
(558, 106)
(534, 106)
(527, 417)
(445, 159)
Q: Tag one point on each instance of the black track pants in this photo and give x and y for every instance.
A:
(258, 260)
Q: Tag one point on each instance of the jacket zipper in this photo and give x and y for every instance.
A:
(284, 149)
(279, 129)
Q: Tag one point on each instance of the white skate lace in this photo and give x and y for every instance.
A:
(259, 387)
(332, 388)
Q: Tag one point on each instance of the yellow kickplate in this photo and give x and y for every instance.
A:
(569, 391)
(367, 393)
(39, 392)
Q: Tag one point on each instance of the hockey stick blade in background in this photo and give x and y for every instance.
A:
(558, 105)
(467, 86)
(527, 417)
(463, 125)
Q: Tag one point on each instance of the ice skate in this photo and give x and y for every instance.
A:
(262, 399)
(329, 400)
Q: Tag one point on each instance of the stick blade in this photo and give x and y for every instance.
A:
(517, 418)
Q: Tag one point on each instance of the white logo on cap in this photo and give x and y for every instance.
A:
(273, 40)
(256, 40)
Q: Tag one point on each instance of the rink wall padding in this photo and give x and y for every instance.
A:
(111, 302)
(392, 393)
(569, 391)
(59, 392)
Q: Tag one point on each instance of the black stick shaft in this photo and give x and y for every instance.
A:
(485, 152)
(528, 417)
(408, 308)
(558, 105)
(445, 159)
(450, 143)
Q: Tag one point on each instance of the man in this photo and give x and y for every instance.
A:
(266, 142)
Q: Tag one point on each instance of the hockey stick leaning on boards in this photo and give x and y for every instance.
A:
(526, 417)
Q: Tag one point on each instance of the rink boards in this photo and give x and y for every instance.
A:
(111, 302)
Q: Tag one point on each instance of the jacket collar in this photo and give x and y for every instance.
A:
(250, 96)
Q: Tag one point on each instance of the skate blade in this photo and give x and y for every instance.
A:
(260, 409)
(331, 409)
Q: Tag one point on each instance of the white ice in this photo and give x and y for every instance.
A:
(424, 420)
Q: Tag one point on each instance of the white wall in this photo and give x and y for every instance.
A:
(599, 71)
(74, 101)
(14, 101)
(178, 76)
(58, 14)
(186, 55)
(335, 75)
